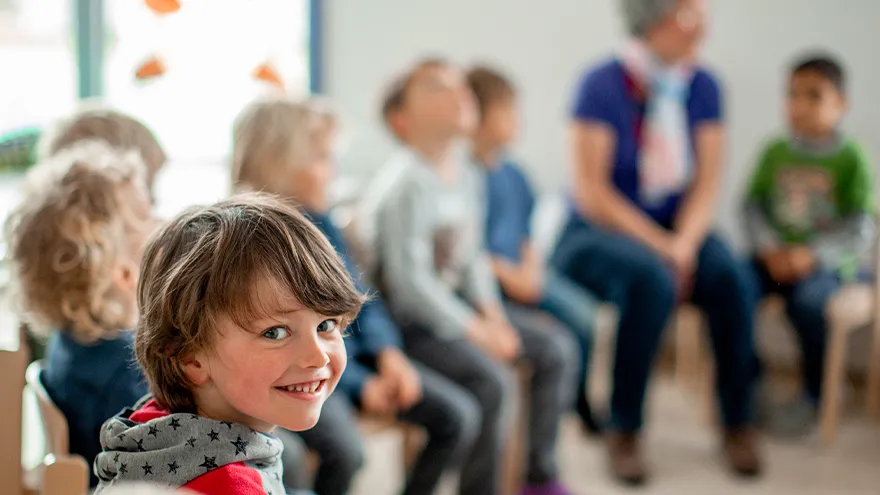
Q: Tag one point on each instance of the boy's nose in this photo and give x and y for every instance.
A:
(311, 354)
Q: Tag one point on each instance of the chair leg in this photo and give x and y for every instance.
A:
(69, 476)
(832, 381)
(688, 349)
(873, 385)
(413, 442)
(514, 457)
(707, 388)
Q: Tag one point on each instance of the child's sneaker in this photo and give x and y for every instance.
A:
(552, 488)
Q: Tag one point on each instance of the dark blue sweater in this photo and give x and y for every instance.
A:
(372, 331)
(90, 384)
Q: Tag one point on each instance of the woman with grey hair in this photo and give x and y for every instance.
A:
(648, 143)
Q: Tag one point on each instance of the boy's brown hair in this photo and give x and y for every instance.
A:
(489, 87)
(116, 129)
(270, 137)
(75, 225)
(395, 94)
(204, 263)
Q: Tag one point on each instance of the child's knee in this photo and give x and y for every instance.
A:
(491, 391)
(461, 421)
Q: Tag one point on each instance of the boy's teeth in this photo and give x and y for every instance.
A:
(311, 387)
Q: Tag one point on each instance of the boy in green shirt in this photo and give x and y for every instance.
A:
(810, 219)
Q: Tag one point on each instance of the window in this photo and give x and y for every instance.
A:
(39, 78)
(209, 51)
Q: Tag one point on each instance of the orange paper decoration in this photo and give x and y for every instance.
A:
(162, 7)
(265, 72)
(153, 67)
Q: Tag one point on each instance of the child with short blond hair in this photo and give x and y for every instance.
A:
(242, 307)
(286, 147)
(115, 128)
(437, 276)
(74, 245)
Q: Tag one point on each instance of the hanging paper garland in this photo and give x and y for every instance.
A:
(152, 68)
(163, 7)
(267, 73)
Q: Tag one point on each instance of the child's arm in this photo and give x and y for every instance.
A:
(854, 233)
(766, 244)
(522, 282)
(408, 265)
(376, 329)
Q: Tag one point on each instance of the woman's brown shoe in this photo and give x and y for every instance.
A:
(625, 458)
(741, 452)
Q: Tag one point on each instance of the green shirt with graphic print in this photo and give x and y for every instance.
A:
(804, 194)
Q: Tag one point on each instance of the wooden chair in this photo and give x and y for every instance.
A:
(852, 308)
(60, 473)
(13, 360)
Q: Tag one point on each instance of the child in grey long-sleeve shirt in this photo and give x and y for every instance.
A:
(436, 275)
(432, 253)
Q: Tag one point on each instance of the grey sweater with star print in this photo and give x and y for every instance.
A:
(151, 445)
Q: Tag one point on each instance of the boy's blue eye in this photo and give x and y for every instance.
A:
(328, 326)
(276, 333)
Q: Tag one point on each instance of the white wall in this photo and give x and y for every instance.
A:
(546, 45)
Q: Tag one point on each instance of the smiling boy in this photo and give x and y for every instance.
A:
(241, 305)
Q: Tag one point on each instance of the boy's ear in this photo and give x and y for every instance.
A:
(397, 124)
(195, 368)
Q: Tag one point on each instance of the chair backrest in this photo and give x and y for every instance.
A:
(13, 360)
(53, 420)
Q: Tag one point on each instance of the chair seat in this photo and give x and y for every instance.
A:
(852, 307)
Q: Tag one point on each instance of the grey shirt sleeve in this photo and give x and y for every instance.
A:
(853, 235)
(760, 233)
(408, 266)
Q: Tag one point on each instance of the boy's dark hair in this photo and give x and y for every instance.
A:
(825, 66)
(395, 94)
(203, 264)
(489, 87)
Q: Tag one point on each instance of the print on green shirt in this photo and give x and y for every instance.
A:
(803, 194)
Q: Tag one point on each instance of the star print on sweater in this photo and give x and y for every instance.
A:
(202, 455)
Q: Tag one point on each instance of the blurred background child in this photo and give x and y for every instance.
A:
(75, 242)
(286, 147)
(810, 218)
(517, 263)
(439, 282)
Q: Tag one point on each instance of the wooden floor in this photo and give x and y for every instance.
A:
(685, 460)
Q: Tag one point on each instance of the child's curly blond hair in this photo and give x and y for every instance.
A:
(79, 225)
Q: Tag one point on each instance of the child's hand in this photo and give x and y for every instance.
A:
(493, 339)
(506, 340)
(396, 368)
(778, 264)
(682, 254)
(802, 261)
(377, 397)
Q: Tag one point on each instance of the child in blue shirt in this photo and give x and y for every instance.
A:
(75, 242)
(519, 267)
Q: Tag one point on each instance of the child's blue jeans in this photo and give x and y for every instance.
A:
(805, 303)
